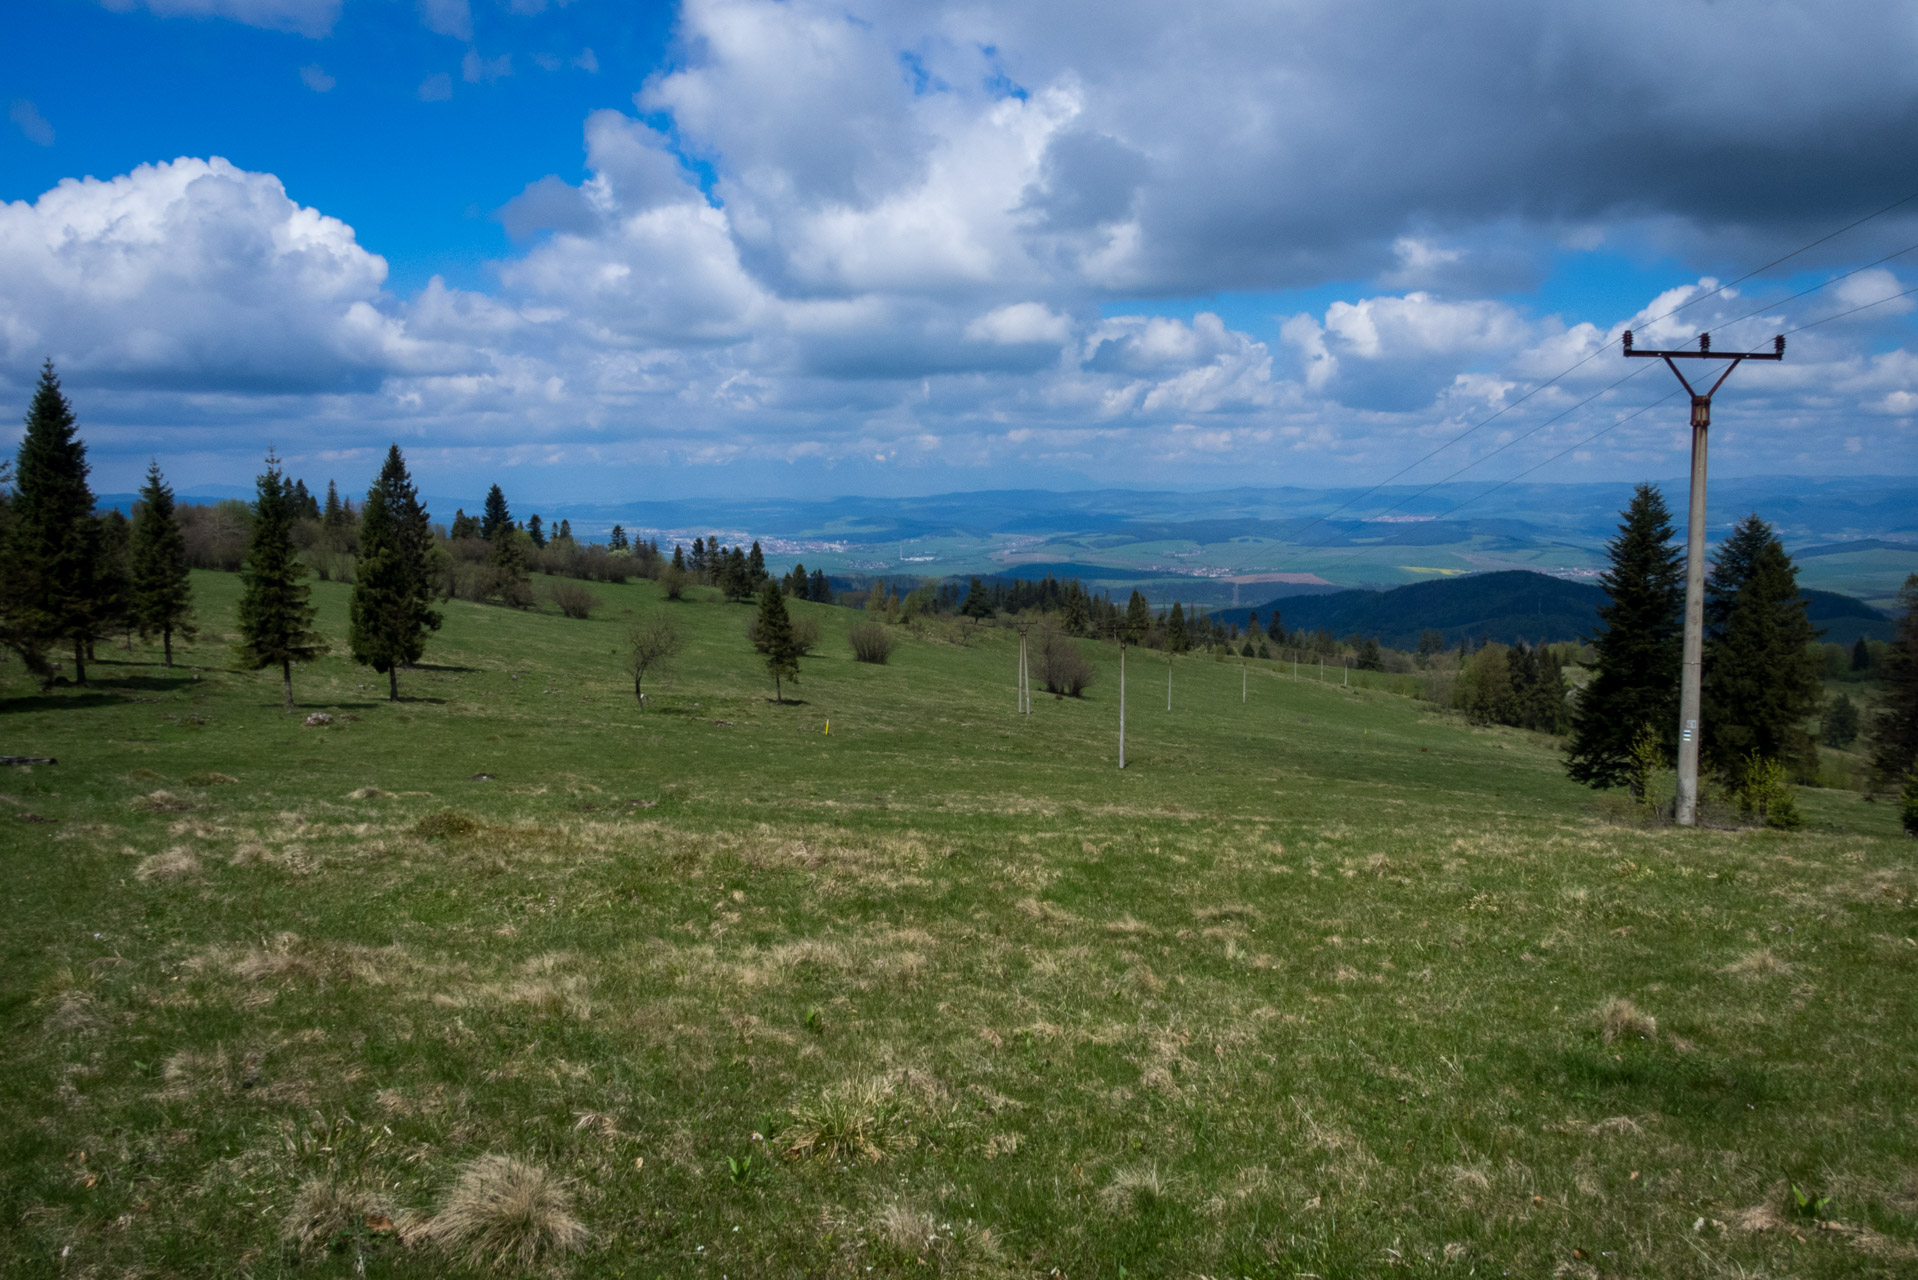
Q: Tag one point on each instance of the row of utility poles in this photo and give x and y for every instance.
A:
(1694, 640)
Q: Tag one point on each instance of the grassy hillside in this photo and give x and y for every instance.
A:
(1324, 983)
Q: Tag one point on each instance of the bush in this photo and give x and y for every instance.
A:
(1764, 793)
(871, 642)
(673, 579)
(572, 599)
(1063, 665)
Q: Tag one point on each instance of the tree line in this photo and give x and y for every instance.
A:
(1762, 683)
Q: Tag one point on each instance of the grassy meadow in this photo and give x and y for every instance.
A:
(1325, 983)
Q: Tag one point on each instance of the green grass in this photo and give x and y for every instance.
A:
(1313, 987)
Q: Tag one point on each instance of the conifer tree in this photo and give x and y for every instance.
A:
(1075, 616)
(1634, 683)
(112, 584)
(1861, 655)
(497, 519)
(616, 540)
(977, 605)
(276, 617)
(162, 591)
(819, 587)
(1894, 729)
(1761, 676)
(773, 636)
(679, 557)
(565, 530)
(55, 542)
(1176, 639)
(536, 530)
(305, 505)
(391, 610)
(464, 526)
(697, 562)
(1838, 727)
(756, 564)
(26, 645)
(333, 515)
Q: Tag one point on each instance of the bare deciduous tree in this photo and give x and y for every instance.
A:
(651, 647)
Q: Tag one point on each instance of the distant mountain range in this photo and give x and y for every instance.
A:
(1508, 607)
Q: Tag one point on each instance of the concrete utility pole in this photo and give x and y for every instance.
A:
(1687, 803)
(1122, 649)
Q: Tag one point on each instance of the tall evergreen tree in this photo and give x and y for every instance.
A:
(1635, 675)
(162, 591)
(773, 636)
(756, 564)
(1861, 655)
(565, 530)
(1176, 640)
(536, 530)
(55, 542)
(819, 587)
(1894, 729)
(616, 540)
(113, 579)
(1761, 676)
(497, 518)
(305, 505)
(679, 557)
(276, 617)
(464, 526)
(392, 611)
(978, 604)
(333, 516)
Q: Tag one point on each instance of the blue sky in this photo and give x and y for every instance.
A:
(736, 246)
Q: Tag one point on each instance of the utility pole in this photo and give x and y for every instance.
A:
(1686, 813)
(1122, 649)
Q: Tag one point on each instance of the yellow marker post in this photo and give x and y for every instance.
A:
(829, 728)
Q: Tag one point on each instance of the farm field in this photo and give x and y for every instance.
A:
(1325, 983)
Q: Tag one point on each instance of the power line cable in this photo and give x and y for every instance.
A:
(1613, 426)
(1320, 519)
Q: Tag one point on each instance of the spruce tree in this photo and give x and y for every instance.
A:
(773, 636)
(536, 530)
(1761, 676)
(1838, 727)
(1176, 640)
(1634, 682)
(276, 618)
(1861, 655)
(756, 564)
(113, 579)
(392, 611)
(464, 526)
(1894, 729)
(565, 530)
(616, 541)
(162, 590)
(55, 542)
(26, 645)
(497, 518)
(679, 557)
(819, 587)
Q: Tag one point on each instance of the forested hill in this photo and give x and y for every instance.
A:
(1509, 606)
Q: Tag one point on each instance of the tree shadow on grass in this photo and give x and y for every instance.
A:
(789, 702)
(1657, 1078)
(448, 667)
(59, 702)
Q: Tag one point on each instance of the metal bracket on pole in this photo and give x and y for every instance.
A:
(1686, 805)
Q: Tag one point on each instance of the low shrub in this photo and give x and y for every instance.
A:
(444, 825)
(1063, 665)
(572, 599)
(871, 642)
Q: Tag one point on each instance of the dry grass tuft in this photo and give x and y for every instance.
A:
(1133, 1188)
(1238, 911)
(161, 802)
(857, 1119)
(211, 779)
(1045, 912)
(171, 865)
(323, 1210)
(1758, 964)
(1622, 1126)
(505, 1213)
(1621, 1019)
(960, 1248)
(1127, 927)
(369, 793)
